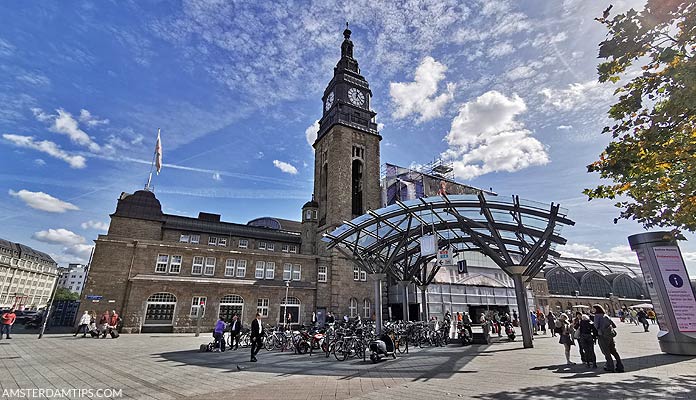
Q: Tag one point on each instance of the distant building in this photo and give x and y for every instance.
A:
(73, 277)
(27, 276)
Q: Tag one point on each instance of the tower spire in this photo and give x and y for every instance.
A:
(347, 45)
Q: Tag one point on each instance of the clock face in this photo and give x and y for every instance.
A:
(329, 101)
(356, 97)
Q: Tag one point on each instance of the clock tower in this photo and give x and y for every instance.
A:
(346, 166)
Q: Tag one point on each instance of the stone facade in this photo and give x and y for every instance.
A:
(27, 276)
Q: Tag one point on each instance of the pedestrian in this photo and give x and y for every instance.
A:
(551, 321)
(84, 324)
(330, 319)
(93, 329)
(566, 337)
(652, 316)
(587, 338)
(643, 319)
(314, 319)
(219, 334)
(605, 336)
(533, 316)
(104, 324)
(542, 322)
(256, 336)
(114, 322)
(235, 330)
(634, 316)
(8, 319)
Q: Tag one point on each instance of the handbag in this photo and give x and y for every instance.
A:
(576, 334)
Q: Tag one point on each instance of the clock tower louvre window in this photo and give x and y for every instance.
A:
(357, 187)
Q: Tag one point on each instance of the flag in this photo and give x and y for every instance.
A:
(158, 153)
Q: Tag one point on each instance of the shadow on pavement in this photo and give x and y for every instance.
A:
(639, 387)
(630, 365)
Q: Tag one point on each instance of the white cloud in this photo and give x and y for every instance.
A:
(420, 96)
(285, 167)
(65, 124)
(500, 49)
(621, 253)
(217, 177)
(58, 236)
(42, 201)
(486, 137)
(564, 127)
(48, 147)
(577, 95)
(82, 251)
(311, 133)
(550, 38)
(39, 162)
(91, 120)
(34, 79)
(98, 225)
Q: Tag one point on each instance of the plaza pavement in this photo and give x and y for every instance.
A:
(168, 366)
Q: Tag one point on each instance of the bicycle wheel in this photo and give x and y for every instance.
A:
(268, 342)
(340, 351)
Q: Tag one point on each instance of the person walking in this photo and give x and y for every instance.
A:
(219, 334)
(256, 336)
(643, 319)
(551, 321)
(84, 324)
(652, 316)
(8, 319)
(586, 340)
(515, 322)
(541, 319)
(104, 324)
(533, 316)
(605, 336)
(235, 330)
(566, 337)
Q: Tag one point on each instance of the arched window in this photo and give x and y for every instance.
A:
(159, 309)
(560, 281)
(292, 309)
(625, 286)
(595, 285)
(353, 307)
(367, 309)
(230, 305)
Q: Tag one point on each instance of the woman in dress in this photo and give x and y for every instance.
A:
(566, 337)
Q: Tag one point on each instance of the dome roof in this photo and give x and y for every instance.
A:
(142, 204)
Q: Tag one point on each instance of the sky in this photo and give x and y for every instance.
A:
(507, 91)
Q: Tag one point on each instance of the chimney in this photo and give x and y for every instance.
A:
(204, 216)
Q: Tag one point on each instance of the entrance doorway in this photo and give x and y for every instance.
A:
(230, 305)
(159, 312)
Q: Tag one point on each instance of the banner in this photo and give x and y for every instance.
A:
(428, 245)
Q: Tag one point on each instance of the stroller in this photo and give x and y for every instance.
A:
(383, 347)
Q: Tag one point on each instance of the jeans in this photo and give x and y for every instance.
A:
(83, 328)
(608, 347)
(6, 329)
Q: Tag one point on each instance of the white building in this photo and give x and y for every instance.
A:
(73, 277)
(26, 276)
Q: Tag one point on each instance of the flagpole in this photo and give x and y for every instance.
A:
(152, 165)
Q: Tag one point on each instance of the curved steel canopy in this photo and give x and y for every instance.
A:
(511, 232)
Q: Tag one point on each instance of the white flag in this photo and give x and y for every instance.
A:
(158, 153)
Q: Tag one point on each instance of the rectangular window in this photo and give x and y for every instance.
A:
(270, 247)
(209, 266)
(262, 245)
(356, 273)
(293, 248)
(260, 267)
(285, 248)
(321, 273)
(243, 243)
(262, 307)
(184, 238)
(196, 303)
(363, 276)
(241, 269)
(287, 271)
(175, 265)
(212, 241)
(195, 239)
(296, 272)
(197, 265)
(229, 267)
(270, 270)
(162, 262)
(222, 242)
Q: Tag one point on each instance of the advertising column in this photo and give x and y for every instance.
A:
(670, 290)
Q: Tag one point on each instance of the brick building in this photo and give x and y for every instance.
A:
(156, 269)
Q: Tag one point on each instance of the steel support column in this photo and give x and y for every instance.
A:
(377, 279)
(404, 300)
(523, 309)
(424, 302)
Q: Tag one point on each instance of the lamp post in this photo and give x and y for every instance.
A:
(285, 311)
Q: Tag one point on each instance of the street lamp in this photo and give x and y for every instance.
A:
(285, 311)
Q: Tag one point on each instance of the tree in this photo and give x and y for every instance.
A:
(65, 294)
(652, 156)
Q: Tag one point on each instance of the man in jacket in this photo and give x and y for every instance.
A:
(256, 336)
(235, 329)
(7, 320)
(605, 330)
(84, 324)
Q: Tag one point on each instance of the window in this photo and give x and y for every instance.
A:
(162, 261)
(197, 265)
(287, 271)
(363, 275)
(262, 307)
(195, 239)
(293, 248)
(315, 214)
(353, 307)
(308, 214)
(356, 273)
(222, 242)
(243, 243)
(321, 273)
(285, 248)
(262, 245)
(241, 269)
(175, 265)
(184, 238)
(270, 247)
(270, 270)
(366, 309)
(296, 272)
(260, 267)
(212, 241)
(229, 267)
(196, 303)
(209, 266)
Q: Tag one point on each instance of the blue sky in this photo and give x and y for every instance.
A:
(505, 90)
